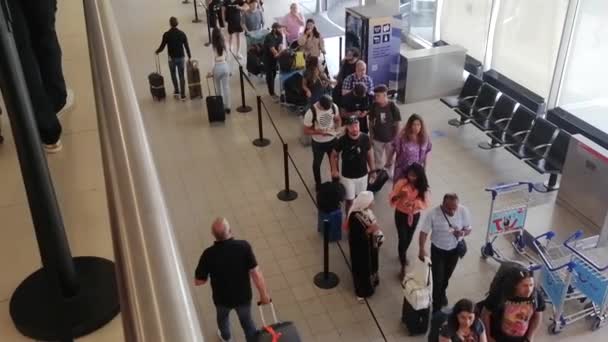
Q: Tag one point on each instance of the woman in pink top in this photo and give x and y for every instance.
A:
(410, 195)
(294, 23)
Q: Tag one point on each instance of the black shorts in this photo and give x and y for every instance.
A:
(215, 20)
(234, 28)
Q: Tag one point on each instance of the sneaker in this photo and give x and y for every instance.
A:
(219, 334)
(53, 148)
(227, 110)
(360, 300)
(176, 94)
(239, 56)
(183, 98)
(69, 103)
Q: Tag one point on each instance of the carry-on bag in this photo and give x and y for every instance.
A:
(438, 319)
(416, 321)
(418, 287)
(277, 332)
(194, 79)
(381, 177)
(157, 83)
(286, 60)
(215, 105)
(299, 60)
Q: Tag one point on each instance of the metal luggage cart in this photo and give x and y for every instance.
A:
(556, 278)
(508, 213)
(590, 277)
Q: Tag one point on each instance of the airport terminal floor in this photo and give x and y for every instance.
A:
(208, 171)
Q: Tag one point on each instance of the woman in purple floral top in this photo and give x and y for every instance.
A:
(411, 145)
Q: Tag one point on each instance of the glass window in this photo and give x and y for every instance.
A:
(336, 10)
(584, 83)
(422, 18)
(466, 23)
(526, 41)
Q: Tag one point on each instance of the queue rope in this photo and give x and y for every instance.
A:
(306, 187)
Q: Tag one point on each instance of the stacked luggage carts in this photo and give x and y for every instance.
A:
(590, 274)
(508, 213)
(557, 279)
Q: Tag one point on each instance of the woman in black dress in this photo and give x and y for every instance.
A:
(364, 239)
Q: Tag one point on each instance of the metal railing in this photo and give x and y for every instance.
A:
(156, 300)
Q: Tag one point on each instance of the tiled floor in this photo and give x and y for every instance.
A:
(208, 171)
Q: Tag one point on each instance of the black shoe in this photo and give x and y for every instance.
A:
(227, 110)
(184, 98)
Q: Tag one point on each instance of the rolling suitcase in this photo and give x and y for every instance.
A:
(278, 331)
(379, 181)
(416, 321)
(157, 83)
(437, 321)
(194, 79)
(215, 106)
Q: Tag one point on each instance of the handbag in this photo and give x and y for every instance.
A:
(418, 292)
(461, 247)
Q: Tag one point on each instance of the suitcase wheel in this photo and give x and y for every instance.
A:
(1, 139)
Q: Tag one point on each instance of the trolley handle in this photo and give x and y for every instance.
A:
(503, 187)
(540, 248)
(569, 243)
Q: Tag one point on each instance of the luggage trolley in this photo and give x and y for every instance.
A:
(556, 279)
(508, 216)
(590, 277)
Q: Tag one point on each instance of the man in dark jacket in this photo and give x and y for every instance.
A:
(176, 41)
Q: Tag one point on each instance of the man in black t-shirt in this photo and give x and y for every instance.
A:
(357, 103)
(215, 13)
(355, 149)
(231, 12)
(176, 42)
(272, 47)
(384, 117)
(230, 263)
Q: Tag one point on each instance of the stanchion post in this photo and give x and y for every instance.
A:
(340, 51)
(208, 15)
(244, 108)
(326, 280)
(260, 141)
(196, 19)
(68, 297)
(286, 195)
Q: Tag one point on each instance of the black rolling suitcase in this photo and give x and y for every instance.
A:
(194, 79)
(215, 105)
(278, 331)
(416, 321)
(157, 83)
(437, 321)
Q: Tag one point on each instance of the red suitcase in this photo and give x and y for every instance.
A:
(277, 332)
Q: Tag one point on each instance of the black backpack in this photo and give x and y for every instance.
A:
(313, 109)
(287, 59)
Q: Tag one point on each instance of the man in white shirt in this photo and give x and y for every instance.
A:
(448, 224)
(321, 122)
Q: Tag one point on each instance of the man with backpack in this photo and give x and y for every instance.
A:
(384, 117)
(321, 122)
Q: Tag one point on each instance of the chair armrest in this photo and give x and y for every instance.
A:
(468, 97)
(501, 120)
(485, 108)
(540, 146)
(516, 134)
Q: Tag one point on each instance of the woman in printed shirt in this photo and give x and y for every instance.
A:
(410, 146)
(409, 197)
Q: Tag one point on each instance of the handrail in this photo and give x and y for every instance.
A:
(156, 300)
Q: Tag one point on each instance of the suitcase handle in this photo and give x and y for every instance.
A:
(274, 313)
(157, 63)
(209, 88)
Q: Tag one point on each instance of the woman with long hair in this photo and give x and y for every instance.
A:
(463, 325)
(364, 239)
(409, 197)
(221, 70)
(513, 309)
(315, 83)
(311, 40)
(411, 145)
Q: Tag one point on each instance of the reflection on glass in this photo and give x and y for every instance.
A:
(353, 31)
(526, 41)
(336, 10)
(584, 89)
(422, 18)
(466, 23)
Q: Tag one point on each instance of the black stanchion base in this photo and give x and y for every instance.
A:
(326, 282)
(186, 2)
(196, 21)
(287, 195)
(33, 310)
(261, 142)
(244, 109)
(207, 44)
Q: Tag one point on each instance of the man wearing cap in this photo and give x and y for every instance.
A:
(354, 147)
(272, 48)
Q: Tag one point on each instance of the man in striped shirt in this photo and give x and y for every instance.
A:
(448, 224)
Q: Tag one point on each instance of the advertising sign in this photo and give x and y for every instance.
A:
(506, 221)
(383, 49)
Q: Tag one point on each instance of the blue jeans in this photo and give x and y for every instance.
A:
(176, 65)
(244, 314)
